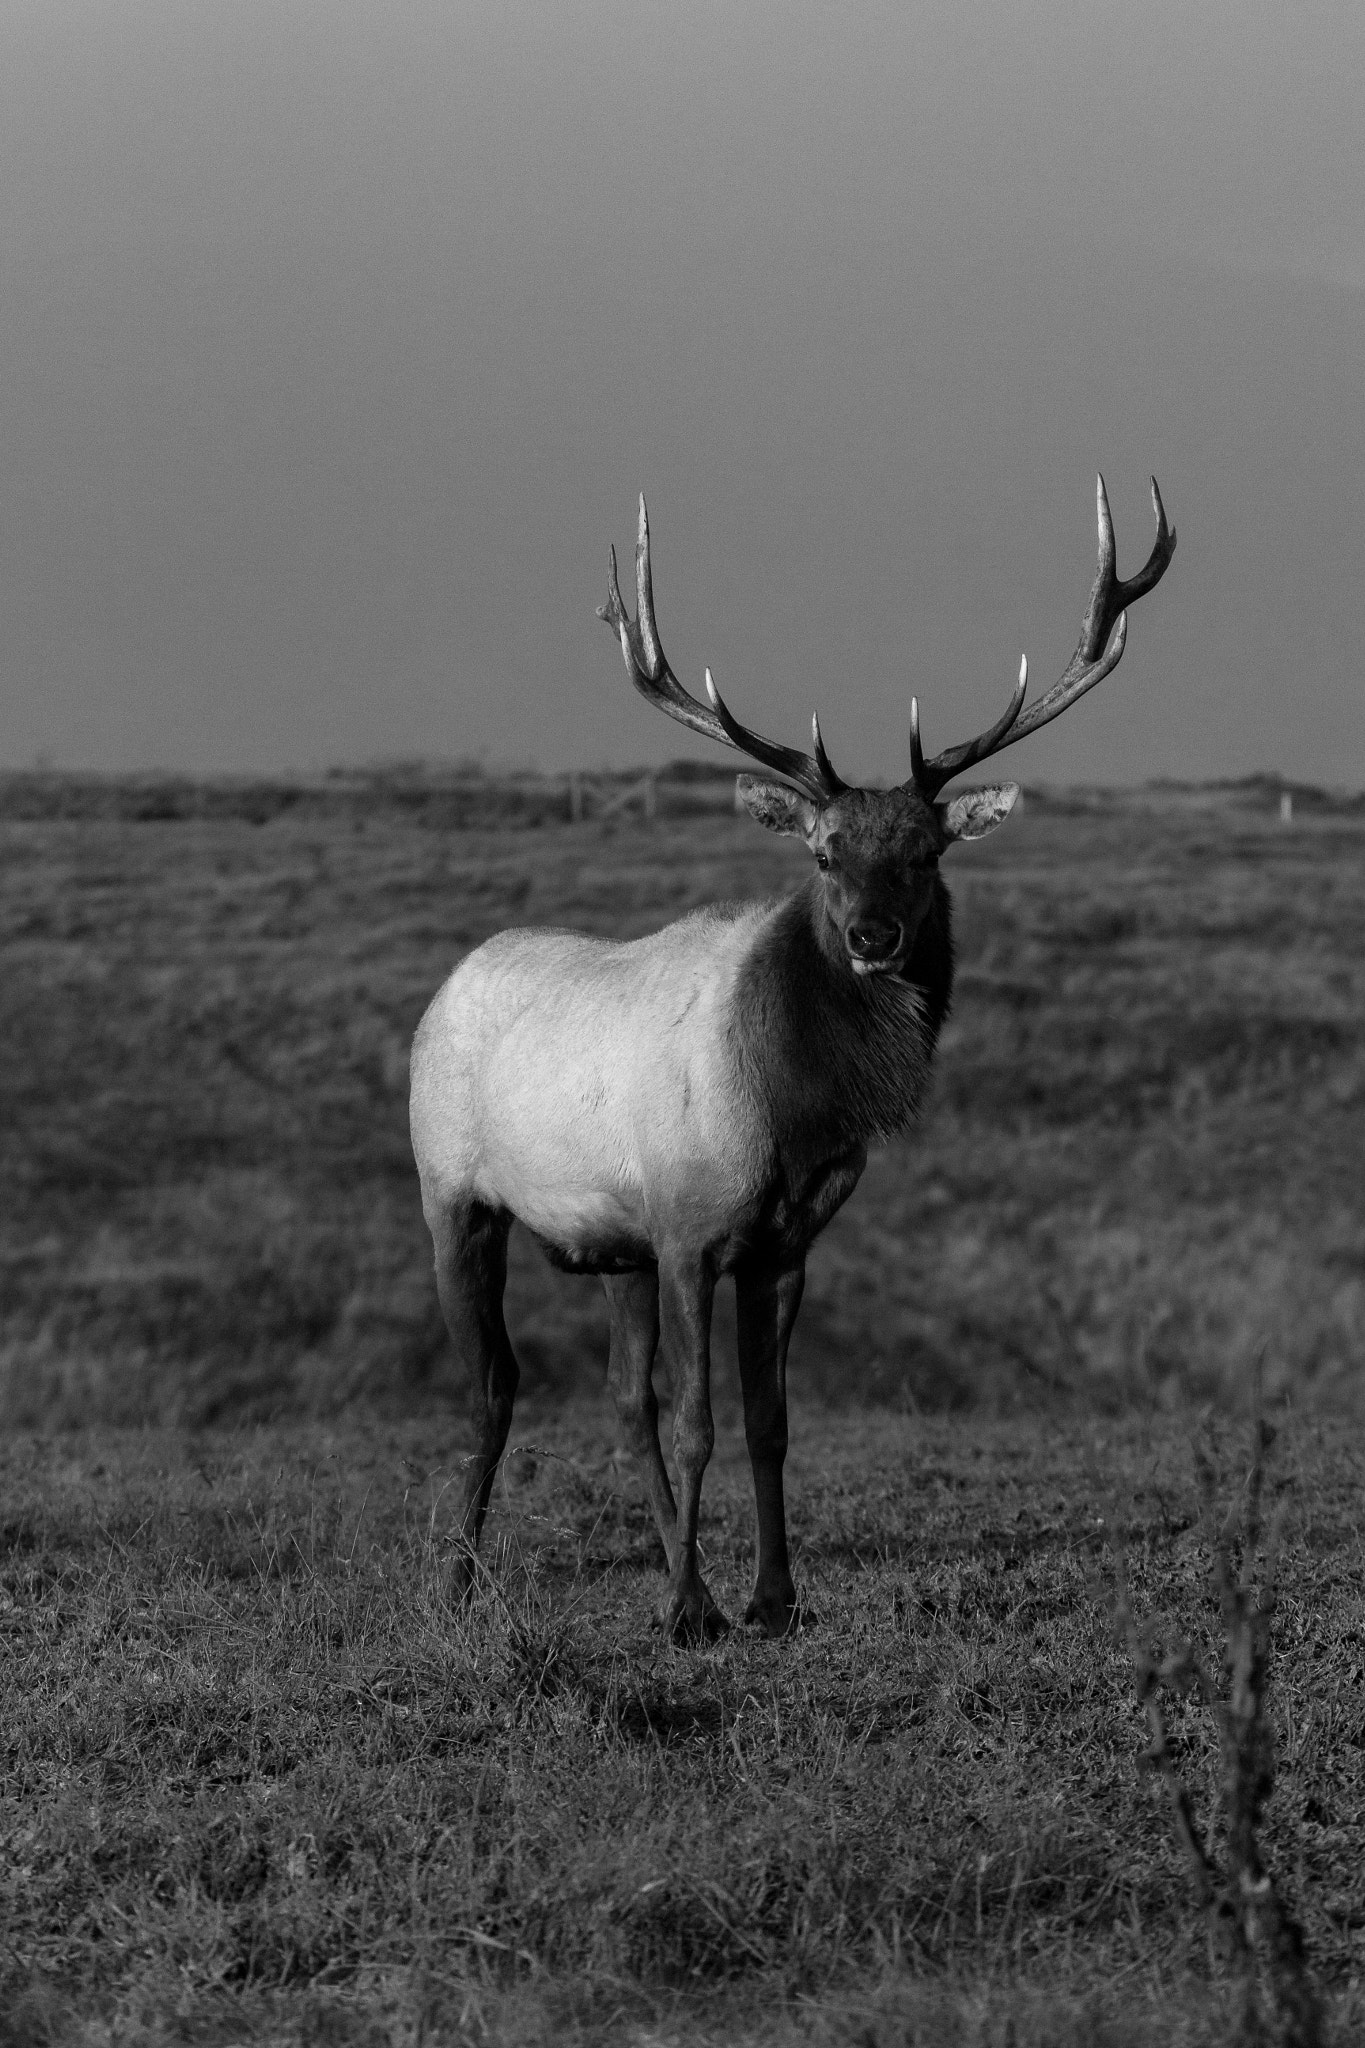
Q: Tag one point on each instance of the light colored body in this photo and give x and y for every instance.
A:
(544, 1107)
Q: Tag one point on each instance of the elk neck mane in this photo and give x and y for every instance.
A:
(836, 1058)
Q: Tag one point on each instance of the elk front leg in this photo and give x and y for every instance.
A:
(767, 1300)
(685, 1297)
(633, 1299)
(471, 1273)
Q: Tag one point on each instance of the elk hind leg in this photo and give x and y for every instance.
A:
(471, 1274)
(633, 1300)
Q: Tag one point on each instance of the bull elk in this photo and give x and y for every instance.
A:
(700, 1102)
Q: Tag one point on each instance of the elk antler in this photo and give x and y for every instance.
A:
(1096, 654)
(647, 667)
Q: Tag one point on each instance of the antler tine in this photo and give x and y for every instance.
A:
(644, 594)
(1097, 653)
(930, 776)
(1099, 650)
(822, 760)
(814, 774)
(646, 663)
(648, 668)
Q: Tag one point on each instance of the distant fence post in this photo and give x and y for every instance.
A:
(1286, 808)
(596, 793)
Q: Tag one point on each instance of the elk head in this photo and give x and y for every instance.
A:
(878, 850)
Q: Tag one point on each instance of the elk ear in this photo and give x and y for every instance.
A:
(777, 805)
(977, 811)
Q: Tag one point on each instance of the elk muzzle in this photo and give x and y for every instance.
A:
(873, 944)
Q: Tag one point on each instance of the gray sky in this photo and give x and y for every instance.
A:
(338, 340)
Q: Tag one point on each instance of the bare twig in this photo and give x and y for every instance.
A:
(1149, 1675)
(1241, 1900)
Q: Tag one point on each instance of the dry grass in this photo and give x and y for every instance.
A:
(260, 1782)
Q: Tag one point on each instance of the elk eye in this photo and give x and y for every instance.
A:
(822, 860)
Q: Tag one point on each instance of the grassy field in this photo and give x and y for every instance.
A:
(1141, 1160)
(259, 1781)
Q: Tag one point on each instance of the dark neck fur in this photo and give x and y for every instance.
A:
(837, 1059)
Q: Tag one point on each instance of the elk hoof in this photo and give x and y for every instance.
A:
(692, 1616)
(777, 1615)
(460, 1579)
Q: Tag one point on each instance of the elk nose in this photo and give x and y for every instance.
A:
(873, 940)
